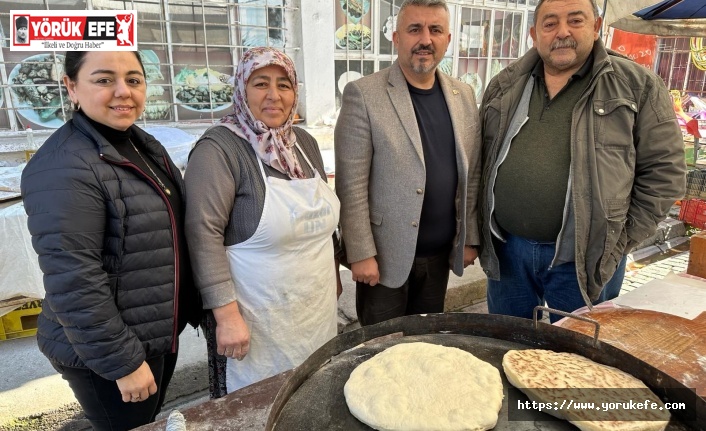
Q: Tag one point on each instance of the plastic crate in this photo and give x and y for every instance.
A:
(696, 184)
(693, 212)
(21, 322)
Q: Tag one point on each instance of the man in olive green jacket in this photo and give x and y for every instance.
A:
(582, 158)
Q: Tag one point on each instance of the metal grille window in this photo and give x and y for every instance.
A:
(489, 41)
(189, 48)
(675, 65)
(486, 36)
(363, 39)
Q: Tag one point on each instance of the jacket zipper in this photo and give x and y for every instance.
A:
(175, 328)
(172, 220)
(504, 150)
(587, 93)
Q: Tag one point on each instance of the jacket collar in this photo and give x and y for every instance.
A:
(402, 101)
(153, 147)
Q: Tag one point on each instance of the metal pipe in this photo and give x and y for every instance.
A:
(605, 7)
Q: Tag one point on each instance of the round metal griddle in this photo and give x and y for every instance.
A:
(312, 398)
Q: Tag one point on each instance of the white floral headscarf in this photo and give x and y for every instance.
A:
(275, 147)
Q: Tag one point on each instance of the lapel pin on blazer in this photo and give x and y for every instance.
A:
(454, 91)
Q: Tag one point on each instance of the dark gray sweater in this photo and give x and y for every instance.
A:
(226, 194)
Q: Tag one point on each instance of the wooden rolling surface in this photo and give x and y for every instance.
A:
(675, 345)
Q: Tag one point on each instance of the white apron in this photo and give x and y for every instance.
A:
(285, 280)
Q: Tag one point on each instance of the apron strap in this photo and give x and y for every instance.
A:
(262, 169)
(313, 169)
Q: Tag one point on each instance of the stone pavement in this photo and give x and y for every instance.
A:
(667, 250)
(638, 274)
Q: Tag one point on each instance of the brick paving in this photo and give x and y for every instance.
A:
(638, 274)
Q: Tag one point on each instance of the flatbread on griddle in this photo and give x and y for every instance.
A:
(425, 387)
(566, 381)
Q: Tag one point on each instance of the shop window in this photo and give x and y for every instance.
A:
(484, 39)
(189, 58)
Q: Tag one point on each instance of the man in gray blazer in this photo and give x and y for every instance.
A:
(407, 146)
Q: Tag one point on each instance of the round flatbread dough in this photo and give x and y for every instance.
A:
(422, 386)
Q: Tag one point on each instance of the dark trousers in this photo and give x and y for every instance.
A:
(423, 292)
(101, 400)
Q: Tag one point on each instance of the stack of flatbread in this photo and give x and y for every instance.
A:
(425, 387)
(563, 380)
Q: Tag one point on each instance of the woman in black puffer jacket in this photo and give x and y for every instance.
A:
(105, 206)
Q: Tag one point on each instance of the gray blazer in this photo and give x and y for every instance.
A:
(380, 173)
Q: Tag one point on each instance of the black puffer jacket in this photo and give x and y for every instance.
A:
(106, 244)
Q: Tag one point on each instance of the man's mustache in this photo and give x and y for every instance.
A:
(564, 43)
(429, 48)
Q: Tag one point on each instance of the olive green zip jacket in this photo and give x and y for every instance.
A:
(627, 163)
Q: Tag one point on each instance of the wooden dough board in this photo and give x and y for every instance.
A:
(672, 344)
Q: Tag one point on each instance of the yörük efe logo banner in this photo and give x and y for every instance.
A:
(73, 30)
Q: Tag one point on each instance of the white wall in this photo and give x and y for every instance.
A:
(312, 28)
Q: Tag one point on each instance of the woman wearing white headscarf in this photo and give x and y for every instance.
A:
(259, 224)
